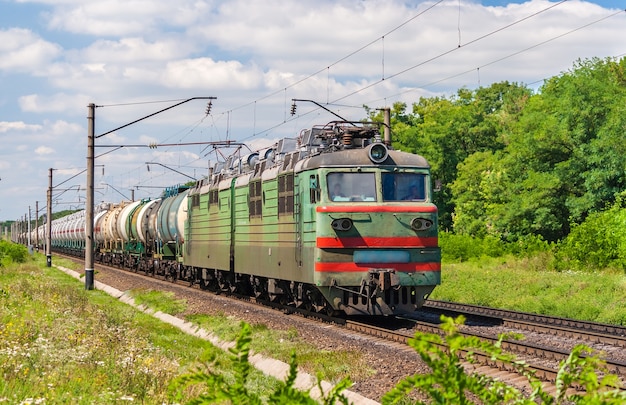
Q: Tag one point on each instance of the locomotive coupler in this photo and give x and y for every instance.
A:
(385, 278)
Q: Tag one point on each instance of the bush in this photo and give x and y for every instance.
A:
(599, 242)
(460, 248)
(12, 252)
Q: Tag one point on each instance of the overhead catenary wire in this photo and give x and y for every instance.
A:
(394, 75)
(399, 73)
(509, 56)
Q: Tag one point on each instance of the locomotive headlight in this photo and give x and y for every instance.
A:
(378, 153)
(421, 224)
(342, 224)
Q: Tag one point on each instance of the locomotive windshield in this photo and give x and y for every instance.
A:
(404, 187)
(351, 186)
(396, 186)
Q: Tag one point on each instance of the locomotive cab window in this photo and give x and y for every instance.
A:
(404, 186)
(351, 186)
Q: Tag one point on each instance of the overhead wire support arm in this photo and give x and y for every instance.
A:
(167, 167)
(158, 112)
(293, 108)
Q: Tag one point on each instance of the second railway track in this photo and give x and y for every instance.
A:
(541, 358)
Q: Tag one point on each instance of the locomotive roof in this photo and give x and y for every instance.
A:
(360, 157)
(336, 144)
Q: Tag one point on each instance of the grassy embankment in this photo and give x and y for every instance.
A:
(62, 344)
(525, 285)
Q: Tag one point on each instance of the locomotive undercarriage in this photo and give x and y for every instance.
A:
(381, 294)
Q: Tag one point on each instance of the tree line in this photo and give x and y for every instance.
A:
(511, 163)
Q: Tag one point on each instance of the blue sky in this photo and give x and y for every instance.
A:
(135, 57)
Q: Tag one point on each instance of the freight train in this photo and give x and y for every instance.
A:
(334, 220)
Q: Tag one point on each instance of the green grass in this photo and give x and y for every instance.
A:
(521, 284)
(279, 344)
(62, 344)
(165, 302)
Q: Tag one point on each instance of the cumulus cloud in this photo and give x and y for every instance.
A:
(136, 49)
(207, 73)
(23, 51)
(59, 102)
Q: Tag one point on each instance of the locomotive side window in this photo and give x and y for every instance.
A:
(285, 194)
(351, 186)
(195, 200)
(255, 204)
(213, 197)
(404, 187)
(314, 189)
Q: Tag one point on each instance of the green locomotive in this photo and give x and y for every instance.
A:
(331, 221)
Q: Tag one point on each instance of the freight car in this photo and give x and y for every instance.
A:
(331, 221)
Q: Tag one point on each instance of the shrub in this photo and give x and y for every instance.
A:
(457, 248)
(597, 243)
(13, 252)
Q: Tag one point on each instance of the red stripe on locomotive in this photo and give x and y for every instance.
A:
(364, 242)
(339, 267)
(376, 208)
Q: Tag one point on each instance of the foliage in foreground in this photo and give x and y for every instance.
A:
(448, 383)
(218, 390)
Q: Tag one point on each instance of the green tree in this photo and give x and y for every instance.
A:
(448, 131)
(558, 165)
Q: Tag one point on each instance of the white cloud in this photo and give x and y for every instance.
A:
(6, 126)
(136, 50)
(44, 150)
(23, 51)
(55, 103)
(124, 17)
(208, 74)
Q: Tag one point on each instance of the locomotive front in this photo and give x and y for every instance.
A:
(375, 249)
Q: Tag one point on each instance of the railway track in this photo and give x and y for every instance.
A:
(592, 332)
(540, 358)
